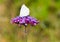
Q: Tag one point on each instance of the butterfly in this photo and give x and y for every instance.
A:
(24, 11)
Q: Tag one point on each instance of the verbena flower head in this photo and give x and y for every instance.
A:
(24, 18)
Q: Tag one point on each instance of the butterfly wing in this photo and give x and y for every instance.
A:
(24, 11)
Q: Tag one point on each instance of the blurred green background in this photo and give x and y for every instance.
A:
(46, 11)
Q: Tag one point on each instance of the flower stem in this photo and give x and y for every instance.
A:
(25, 34)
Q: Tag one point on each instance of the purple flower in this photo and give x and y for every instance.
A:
(25, 20)
(15, 20)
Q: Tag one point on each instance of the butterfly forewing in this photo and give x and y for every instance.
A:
(24, 11)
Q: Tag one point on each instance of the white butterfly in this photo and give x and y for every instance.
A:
(24, 11)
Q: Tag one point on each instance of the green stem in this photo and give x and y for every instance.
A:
(25, 34)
